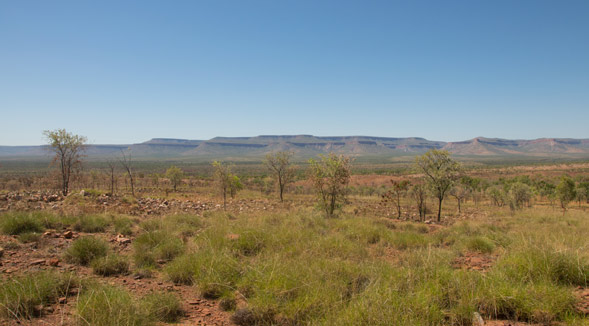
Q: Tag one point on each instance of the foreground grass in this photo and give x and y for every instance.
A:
(300, 268)
(21, 296)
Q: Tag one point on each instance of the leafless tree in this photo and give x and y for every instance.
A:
(126, 162)
(112, 166)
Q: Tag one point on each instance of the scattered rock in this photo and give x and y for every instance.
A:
(122, 240)
(68, 234)
(38, 262)
(477, 320)
(54, 262)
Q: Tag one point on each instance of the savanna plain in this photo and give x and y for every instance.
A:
(348, 244)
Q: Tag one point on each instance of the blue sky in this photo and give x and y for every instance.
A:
(127, 71)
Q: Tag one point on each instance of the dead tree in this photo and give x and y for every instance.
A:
(125, 161)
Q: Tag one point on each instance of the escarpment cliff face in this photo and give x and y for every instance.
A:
(307, 146)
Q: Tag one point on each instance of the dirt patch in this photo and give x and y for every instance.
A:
(474, 261)
(583, 304)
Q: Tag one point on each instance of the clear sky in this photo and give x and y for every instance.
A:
(127, 71)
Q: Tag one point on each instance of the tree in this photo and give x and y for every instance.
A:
(330, 175)
(235, 185)
(440, 172)
(68, 149)
(519, 194)
(497, 194)
(419, 194)
(460, 192)
(394, 195)
(565, 191)
(226, 182)
(111, 166)
(126, 162)
(175, 175)
(279, 164)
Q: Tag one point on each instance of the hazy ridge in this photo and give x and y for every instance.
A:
(308, 145)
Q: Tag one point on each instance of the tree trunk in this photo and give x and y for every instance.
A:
(440, 209)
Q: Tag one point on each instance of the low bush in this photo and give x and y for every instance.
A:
(85, 249)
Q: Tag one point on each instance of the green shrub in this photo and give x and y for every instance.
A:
(85, 249)
(106, 306)
(20, 295)
(21, 222)
(91, 224)
(112, 264)
(164, 307)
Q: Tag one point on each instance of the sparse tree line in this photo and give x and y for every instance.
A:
(436, 177)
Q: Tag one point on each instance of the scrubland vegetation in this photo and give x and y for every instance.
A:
(318, 252)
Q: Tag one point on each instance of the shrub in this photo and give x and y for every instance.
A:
(85, 249)
(17, 223)
(106, 305)
(164, 307)
(91, 224)
(110, 265)
(20, 295)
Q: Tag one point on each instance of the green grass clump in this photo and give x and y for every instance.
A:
(91, 223)
(533, 264)
(152, 246)
(29, 237)
(250, 243)
(163, 307)
(20, 222)
(123, 225)
(112, 264)
(540, 302)
(85, 249)
(181, 270)
(480, 244)
(20, 295)
(104, 305)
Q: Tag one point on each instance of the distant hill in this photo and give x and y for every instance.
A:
(304, 146)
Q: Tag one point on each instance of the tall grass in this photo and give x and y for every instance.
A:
(299, 268)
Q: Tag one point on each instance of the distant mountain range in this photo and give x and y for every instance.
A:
(303, 146)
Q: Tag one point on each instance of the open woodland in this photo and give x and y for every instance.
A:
(505, 251)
